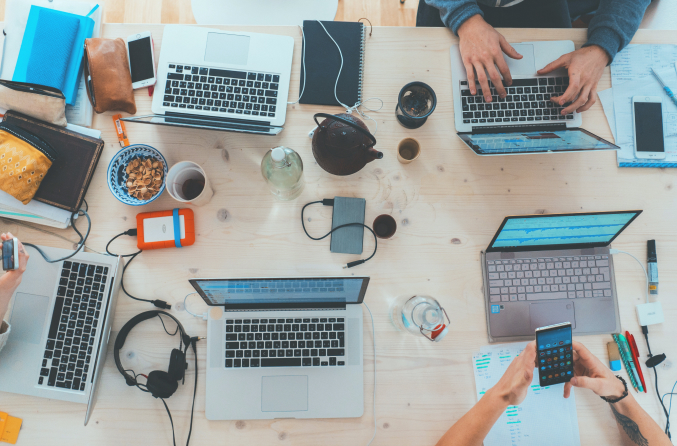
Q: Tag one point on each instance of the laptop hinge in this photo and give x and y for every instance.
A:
(519, 128)
(252, 122)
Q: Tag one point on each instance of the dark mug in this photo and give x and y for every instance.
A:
(384, 226)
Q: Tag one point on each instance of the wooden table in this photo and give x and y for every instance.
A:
(448, 204)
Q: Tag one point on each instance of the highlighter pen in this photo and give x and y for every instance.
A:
(625, 347)
(652, 263)
(667, 90)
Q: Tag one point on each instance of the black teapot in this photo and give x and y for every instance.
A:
(342, 144)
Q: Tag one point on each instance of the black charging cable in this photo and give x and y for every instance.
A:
(652, 363)
(81, 243)
(330, 202)
(132, 232)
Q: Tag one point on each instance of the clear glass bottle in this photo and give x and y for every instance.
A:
(420, 316)
(283, 170)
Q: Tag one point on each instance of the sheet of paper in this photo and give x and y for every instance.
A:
(531, 422)
(16, 17)
(635, 61)
(35, 211)
(606, 97)
(622, 104)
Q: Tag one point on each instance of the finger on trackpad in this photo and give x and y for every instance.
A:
(525, 65)
(284, 393)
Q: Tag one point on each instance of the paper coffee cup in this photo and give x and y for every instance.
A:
(186, 175)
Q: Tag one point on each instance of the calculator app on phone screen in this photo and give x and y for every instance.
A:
(554, 354)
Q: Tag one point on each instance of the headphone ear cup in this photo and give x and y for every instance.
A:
(177, 365)
(160, 384)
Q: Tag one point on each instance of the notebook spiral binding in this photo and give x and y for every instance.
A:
(364, 41)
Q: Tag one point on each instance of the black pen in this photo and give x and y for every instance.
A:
(652, 262)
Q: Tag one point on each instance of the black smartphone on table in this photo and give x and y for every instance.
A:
(10, 254)
(554, 354)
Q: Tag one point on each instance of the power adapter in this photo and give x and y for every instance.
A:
(650, 313)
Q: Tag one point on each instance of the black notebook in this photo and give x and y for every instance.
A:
(323, 62)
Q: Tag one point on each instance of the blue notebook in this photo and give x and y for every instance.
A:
(52, 49)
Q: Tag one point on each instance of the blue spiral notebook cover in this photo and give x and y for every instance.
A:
(52, 49)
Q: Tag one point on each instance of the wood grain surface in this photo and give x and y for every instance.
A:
(448, 204)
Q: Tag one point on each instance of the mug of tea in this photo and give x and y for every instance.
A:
(408, 150)
(384, 226)
(187, 182)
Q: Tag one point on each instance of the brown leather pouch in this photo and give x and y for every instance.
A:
(110, 86)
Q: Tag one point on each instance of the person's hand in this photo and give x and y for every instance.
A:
(585, 67)
(16, 274)
(590, 373)
(513, 385)
(482, 48)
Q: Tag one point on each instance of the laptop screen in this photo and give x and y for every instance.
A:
(560, 231)
(518, 142)
(314, 292)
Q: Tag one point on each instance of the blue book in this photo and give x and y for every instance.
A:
(52, 49)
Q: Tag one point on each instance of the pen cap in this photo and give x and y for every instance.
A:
(651, 251)
(614, 356)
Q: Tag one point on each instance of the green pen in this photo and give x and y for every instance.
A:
(628, 355)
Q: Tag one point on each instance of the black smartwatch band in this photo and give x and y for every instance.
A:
(615, 400)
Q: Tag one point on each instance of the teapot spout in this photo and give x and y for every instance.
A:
(373, 154)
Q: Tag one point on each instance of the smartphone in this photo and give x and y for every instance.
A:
(647, 113)
(10, 254)
(141, 59)
(554, 354)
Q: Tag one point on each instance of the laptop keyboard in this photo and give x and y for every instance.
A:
(549, 278)
(305, 342)
(228, 92)
(527, 100)
(77, 310)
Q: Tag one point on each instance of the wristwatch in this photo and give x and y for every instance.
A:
(615, 400)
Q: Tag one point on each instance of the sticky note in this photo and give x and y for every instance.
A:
(9, 428)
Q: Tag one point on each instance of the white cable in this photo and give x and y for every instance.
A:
(617, 251)
(373, 337)
(203, 316)
(303, 62)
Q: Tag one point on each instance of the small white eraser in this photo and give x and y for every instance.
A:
(650, 313)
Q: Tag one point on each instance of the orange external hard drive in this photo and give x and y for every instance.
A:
(165, 229)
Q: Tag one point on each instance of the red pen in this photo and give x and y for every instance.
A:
(635, 354)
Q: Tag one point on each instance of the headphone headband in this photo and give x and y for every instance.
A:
(133, 322)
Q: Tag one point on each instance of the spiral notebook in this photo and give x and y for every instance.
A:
(323, 61)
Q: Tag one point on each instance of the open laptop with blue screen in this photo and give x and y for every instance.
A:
(284, 347)
(545, 269)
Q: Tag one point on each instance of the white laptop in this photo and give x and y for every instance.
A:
(221, 80)
(525, 121)
(284, 347)
(61, 321)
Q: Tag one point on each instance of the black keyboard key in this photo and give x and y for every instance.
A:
(524, 83)
(281, 362)
(175, 76)
(52, 376)
(306, 362)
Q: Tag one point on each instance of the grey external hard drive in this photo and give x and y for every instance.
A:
(348, 240)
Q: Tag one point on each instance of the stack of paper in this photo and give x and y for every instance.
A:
(631, 76)
(16, 17)
(544, 417)
(36, 211)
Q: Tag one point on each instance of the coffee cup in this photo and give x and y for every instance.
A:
(408, 150)
(384, 226)
(187, 182)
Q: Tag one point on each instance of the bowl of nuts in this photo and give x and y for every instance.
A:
(137, 174)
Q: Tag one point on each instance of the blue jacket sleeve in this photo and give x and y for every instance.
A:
(614, 24)
(454, 12)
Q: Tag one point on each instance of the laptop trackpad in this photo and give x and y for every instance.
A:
(548, 313)
(28, 317)
(284, 393)
(230, 49)
(524, 66)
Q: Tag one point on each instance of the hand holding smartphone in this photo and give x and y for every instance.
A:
(554, 354)
(141, 59)
(10, 254)
(647, 116)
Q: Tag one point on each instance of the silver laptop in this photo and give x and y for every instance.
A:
(284, 347)
(545, 269)
(61, 320)
(525, 121)
(221, 80)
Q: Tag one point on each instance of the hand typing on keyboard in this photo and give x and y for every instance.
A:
(482, 48)
(585, 67)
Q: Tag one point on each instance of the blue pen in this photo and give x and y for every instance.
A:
(665, 87)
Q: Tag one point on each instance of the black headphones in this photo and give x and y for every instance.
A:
(159, 383)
